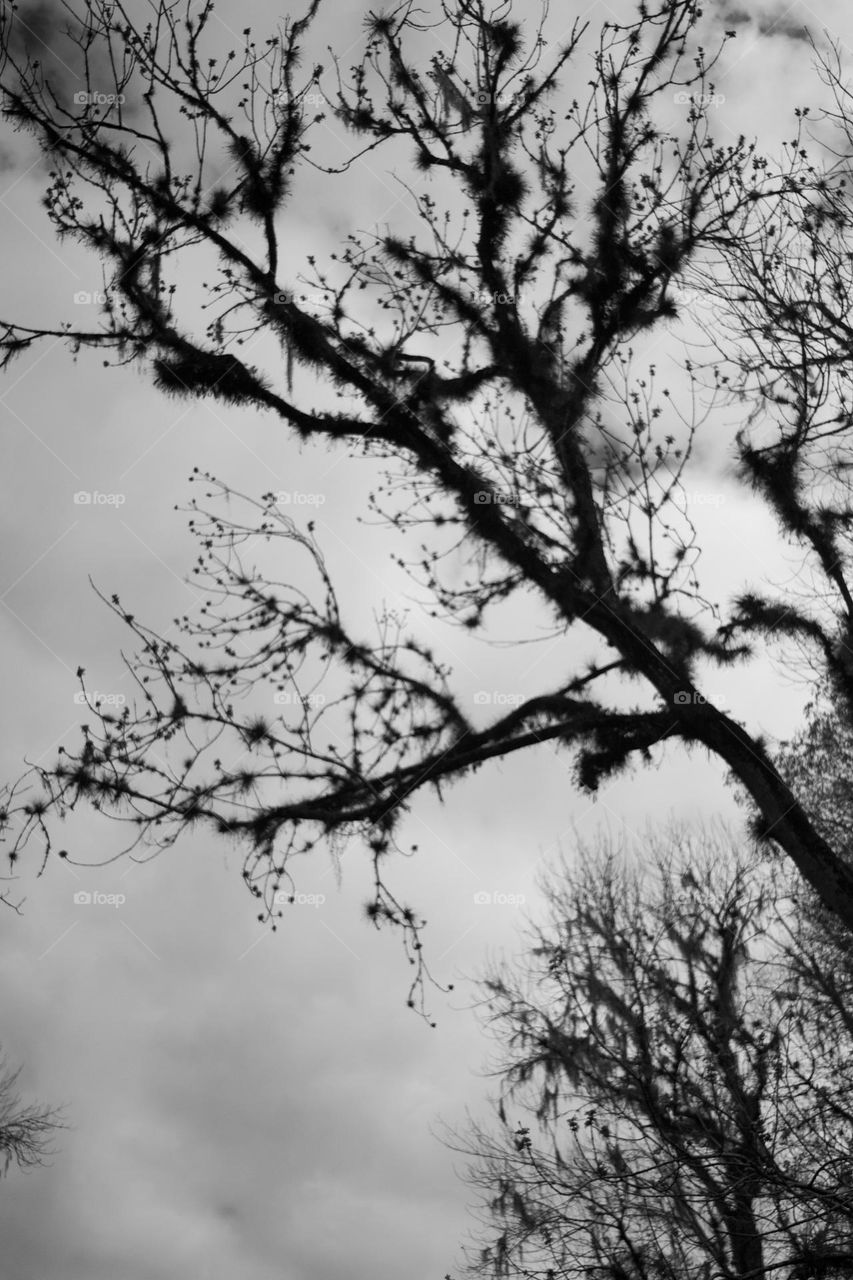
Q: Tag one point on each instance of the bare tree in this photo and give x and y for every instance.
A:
(27, 1130)
(485, 353)
(677, 1089)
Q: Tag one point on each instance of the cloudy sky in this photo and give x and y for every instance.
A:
(243, 1104)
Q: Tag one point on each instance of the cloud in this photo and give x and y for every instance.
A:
(38, 32)
(768, 22)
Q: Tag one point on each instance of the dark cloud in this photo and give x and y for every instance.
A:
(783, 26)
(39, 32)
(766, 22)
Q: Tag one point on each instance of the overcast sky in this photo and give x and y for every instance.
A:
(244, 1104)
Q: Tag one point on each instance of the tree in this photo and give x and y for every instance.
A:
(26, 1129)
(677, 1088)
(488, 361)
(819, 760)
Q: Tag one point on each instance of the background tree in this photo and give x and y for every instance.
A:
(485, 353)
(676, 1084)
(26, 1129)
(819, 760)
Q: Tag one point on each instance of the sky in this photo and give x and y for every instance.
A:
(242, 1103)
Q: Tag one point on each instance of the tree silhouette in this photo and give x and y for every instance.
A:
(487, 353)
(26, 1129)
(676, 1080)
(819, 760)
